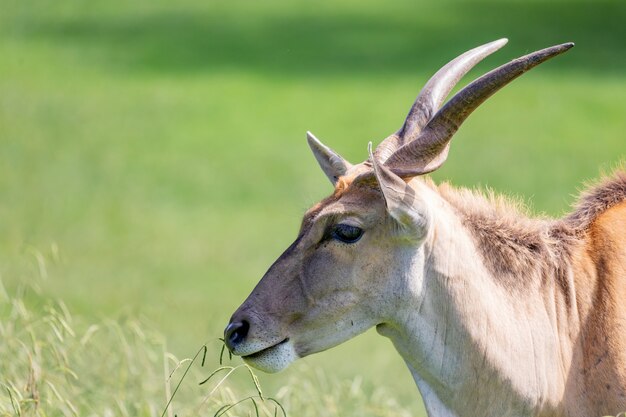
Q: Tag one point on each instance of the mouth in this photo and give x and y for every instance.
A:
(274, 358)
(262, 352)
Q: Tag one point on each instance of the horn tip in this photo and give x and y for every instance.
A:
(564, 46)
(495, 45)
(559, 49)
(501, 42)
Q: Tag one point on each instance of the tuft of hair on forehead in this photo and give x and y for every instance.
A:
(361, 180)
(342, 185)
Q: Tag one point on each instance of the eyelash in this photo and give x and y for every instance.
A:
(346, 233)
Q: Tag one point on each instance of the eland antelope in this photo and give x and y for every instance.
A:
(495, 313)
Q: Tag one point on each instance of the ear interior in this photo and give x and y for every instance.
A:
(333, 165)
(401, 200)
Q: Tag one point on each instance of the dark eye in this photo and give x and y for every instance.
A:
(347, 233)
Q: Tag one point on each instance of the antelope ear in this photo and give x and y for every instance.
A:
(401, 201)
(333, 165)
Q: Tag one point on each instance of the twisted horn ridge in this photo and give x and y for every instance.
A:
(433, 94)
(429, 149)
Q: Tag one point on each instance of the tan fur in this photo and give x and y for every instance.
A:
(597, 199)
(511, 243)
(600, 280)
(585, 254)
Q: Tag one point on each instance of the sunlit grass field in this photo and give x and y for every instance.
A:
(153, 160)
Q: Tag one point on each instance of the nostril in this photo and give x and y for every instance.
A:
(236, 332)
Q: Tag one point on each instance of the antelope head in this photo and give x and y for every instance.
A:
(364, 248)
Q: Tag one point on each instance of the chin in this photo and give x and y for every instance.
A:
(273, 359)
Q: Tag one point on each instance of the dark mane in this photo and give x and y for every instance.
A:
(514, 244)
(596, 199)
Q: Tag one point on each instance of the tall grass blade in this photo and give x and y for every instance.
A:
(15, 406)
(181, 381)
(204, 381)
(279, 405)
(204, 356)
(255, 379)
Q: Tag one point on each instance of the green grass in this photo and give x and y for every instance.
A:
(152, 153)
(58, 364)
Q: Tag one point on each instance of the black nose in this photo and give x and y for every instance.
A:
(235, 333)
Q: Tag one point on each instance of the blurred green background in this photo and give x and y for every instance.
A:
(153, 160)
